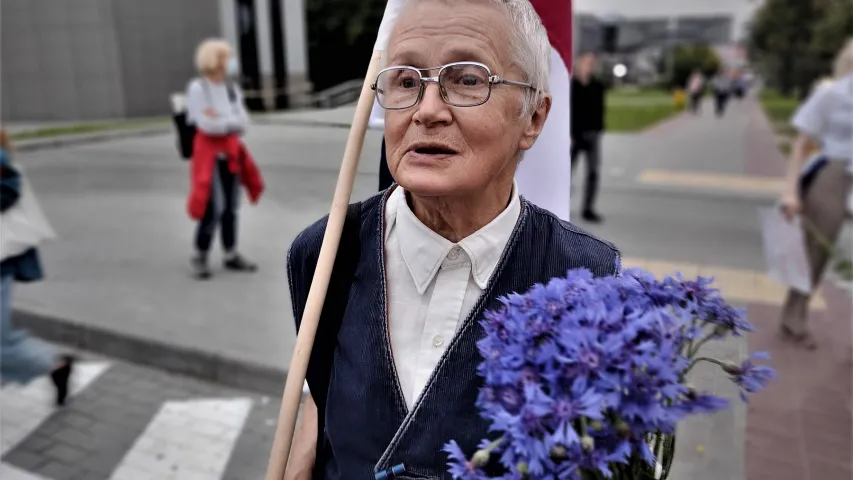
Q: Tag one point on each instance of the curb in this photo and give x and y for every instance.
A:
(60, 141)
(159, 355)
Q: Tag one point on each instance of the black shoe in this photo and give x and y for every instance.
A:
(592, 217)
(201, 270)
(239, 264)
(60, 377)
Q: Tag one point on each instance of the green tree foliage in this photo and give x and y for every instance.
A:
(687, 58)
(793, 42)
(341, 34)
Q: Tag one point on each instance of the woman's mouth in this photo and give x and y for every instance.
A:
(431, 153)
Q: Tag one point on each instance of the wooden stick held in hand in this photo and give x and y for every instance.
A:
(319, 285)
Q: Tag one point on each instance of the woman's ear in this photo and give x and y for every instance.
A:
(535, 123)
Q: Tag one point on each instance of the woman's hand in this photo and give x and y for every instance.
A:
(791, 204)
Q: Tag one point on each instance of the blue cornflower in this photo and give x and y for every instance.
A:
(459, 466)
(752, 378)
(608, 353)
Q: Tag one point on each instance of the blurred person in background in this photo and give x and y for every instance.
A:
(220, 162)
(820, 192)
(695, 90)
(22, 357)
(722, 84)
(587, 123)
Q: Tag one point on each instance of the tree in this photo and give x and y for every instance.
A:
(687, 58)
(793, 41)
(341, 34)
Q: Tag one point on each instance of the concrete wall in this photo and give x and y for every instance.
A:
(59, 60)
(157, 41)
(97, 59)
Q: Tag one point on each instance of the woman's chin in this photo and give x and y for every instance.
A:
(428, 184)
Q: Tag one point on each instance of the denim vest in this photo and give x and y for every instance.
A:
(367, 426)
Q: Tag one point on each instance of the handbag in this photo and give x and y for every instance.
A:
(24, 225)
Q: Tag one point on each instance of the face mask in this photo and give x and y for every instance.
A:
(231, 67)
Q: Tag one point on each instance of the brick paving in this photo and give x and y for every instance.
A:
(763, 157)
(800, 427)
(137, 423)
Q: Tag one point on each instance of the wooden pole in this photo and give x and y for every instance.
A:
(292, 395)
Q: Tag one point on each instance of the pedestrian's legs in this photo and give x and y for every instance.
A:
(230, 206)
(385, 178)
(230, 188)
(825, 206)
(593, 175)
(22, 357)
(207, 227)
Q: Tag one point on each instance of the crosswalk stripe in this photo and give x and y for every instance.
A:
(735, 284)
(712, 181)
(25, 407)
(186, 440)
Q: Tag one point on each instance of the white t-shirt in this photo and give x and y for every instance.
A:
(827, 116)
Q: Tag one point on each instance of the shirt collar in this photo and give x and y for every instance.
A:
(424, 250)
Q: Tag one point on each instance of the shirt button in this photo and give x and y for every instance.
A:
(438, 340)
(454, 254)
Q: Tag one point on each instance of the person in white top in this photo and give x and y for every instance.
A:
(220, 161)
(821, 195)
(695, 89)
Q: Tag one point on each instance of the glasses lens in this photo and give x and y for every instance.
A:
(465, 85)
(398, 87)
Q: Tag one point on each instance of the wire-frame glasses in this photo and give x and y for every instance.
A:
(461, 84)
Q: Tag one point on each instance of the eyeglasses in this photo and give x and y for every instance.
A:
(461, 84)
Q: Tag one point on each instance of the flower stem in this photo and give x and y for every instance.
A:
(694, 350)
(494, 444)
(704, 359)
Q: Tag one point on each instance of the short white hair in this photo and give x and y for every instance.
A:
(844, 61)
(208, 52)
(530, 49)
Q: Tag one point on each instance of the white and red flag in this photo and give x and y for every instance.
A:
(545, 175)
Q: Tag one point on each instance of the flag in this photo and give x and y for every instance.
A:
(545, 175)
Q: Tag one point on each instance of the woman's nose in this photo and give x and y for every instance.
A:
(432, 108)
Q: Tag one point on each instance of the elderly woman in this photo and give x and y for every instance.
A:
(821, 194)
(220, 161)
(393, 373)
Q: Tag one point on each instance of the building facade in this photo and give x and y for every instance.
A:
(101, 59)
(649, 29)
(729, 18)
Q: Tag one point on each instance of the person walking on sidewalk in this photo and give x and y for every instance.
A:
(220, 162)
(587, 124)
(695, 88)
(22, 357)
(722, 90)
(822, 193)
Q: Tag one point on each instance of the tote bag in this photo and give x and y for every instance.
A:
(24, 225)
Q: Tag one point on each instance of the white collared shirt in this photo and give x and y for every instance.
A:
(433, 284)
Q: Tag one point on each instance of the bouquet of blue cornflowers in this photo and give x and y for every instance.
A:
(585, 378)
